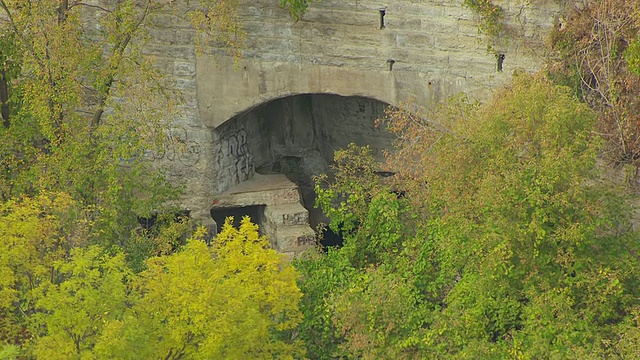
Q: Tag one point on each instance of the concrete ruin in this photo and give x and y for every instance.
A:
(255, 132)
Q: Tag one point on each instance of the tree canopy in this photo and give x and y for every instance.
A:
(234, 300)
(500, 235)
(508, 242)
(79, 105)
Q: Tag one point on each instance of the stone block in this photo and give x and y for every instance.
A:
(185, 84)
(295, 238)
(184, 68)
(286, 214)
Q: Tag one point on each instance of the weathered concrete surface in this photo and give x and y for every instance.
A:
(226, 93)
(337, 48)
(284, 220)
(296, 136)
(260, 190)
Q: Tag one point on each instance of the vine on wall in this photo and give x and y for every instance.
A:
(297, 8)
(491, 20)
(490, 14)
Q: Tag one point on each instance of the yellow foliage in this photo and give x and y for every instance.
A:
(34, 234)
(229, 301)
(72, 313)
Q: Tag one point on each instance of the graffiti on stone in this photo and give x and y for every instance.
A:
(238, 150)
(218, 155)
(232, 158)
(305, 240)
(190, 155)
(178, 148)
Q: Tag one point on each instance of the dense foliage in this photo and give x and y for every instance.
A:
(499, 236)
(232, 300)
(597, 54)
(506, 243)
(78, 106)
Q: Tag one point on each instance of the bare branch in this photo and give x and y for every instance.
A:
(431, 125)
(80, 3)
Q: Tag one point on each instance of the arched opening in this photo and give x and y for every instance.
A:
(296, 136)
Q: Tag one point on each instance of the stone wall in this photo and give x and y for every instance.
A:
(337, 48)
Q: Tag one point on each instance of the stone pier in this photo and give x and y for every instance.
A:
(278, 210)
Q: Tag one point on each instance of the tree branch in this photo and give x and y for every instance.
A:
(62, 11)
(4, 98)
(15, 29)
(80, 3)
(114, 64)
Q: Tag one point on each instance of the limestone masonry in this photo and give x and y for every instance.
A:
(256, 133)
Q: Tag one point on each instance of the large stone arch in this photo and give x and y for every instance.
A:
(338, 47)
(265, 159)
(304, 128)
(226, 89)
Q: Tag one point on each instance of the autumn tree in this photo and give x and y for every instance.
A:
(61, 300)
(35, 234)
(596, 53)
(507, 242)
(79, 104)
(237, 299)
(234, 300)
(89, 293)
(534, 245)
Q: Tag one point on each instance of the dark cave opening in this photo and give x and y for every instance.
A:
(255, 212)
(148, 222)
(297, 136)
(330, 239)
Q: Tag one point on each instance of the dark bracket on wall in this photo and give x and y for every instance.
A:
(500, 58)
(383, 12)
(391, 62)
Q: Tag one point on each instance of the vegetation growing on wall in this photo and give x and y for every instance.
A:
(491, 18)
(297, 8)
